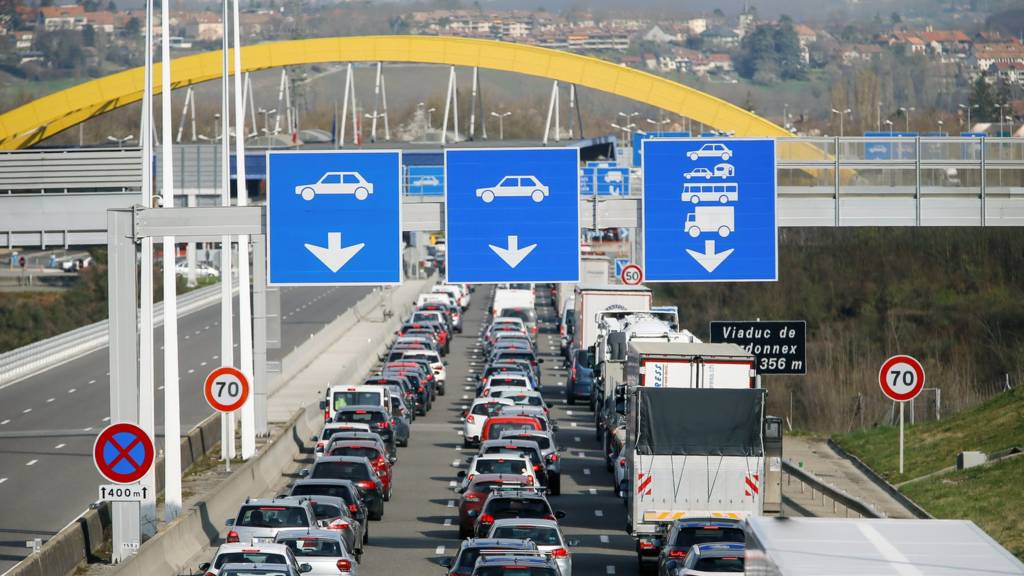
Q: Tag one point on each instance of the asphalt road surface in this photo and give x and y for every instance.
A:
(48, 422)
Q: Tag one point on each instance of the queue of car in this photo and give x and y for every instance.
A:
(321, 525)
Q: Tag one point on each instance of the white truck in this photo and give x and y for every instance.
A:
(505, 298)
(689, 365)
(593, 298)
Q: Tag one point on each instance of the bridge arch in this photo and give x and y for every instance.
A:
(51, 114)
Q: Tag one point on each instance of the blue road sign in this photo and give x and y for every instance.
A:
(709, 210)
(425, 181)
(891, 150)
(334, 217)
(638, 139)
(620, 263)
(512, 215)
(610, 179)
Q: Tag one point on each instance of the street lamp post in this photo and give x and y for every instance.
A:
(940, 122)
(626, 130)
(120, 141)
(842, 115)
(266, 120)
(658, 124)
(968, 108)
(906, 116)
(628, 121)
(501, 123)
(1000, 106)
(889, 124)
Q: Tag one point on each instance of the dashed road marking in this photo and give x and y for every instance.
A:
(105, 419)
(8, 421)
(452, 484)
(160, 387)
(576, 439)
(93, 381)
(605, 539)
(26, 410)
(455, 463)
(599, 513)
(59, 446)
(447, 521)
(191, 370)
(439, 551)
(31, 462)
(586, 471)
(458, 448)
(581, 454)
(568, 412)
(202, 363)
(87, 429)
(451, 503)
(593, 491)
(610, 569)
(2, 480)
(72, 390)
(573, 424)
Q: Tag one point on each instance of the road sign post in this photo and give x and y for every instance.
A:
(226, 390)
(901, 379)
(334, 218)
(709, 210)
(512, 215)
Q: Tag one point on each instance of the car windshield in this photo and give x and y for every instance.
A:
(507, 381)
(541, 535)
(365, 416)
(498, 428)
(359, 451)
(542, 441)
(313, 547)
(500, 466)
(272, 517)
(509, 355)
(254, 572)
(324, 490)
(730, 564)
(515, 451)
(524, 400)
(249, 558)
(689, 536)
(582, 360)
(341, 470)
(519, 507)
(486, 409)
(343, 399)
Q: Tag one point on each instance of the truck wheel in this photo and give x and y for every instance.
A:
(723, 231)
(693, 231)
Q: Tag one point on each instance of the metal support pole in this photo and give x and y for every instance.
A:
(250, 102)
(558, 121)
(551, 111)
(472, 103)
(356, 132)
(837, 181)
(455, 104)
(917, 185)
(259, 317)
(572, 110)
(227, 332)
(190, 247)
(376, 104)
(184, 114)
(981, 161)
(901, 438)
(344, 106)
(124, 352)
(579, 113)
(384, 105)
(280, 89)
(448, 105)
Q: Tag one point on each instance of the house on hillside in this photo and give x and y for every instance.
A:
(204, 26)
(659, 36)
(62, 17)
(720, 38)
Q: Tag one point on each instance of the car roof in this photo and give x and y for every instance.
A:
(512, 442)
(363, 407)
(479, 457)
(515, 560)
(497, 477)
(493, 400)
(272, 502)
(240, 547)
(509, 543)
(320, 499)
(356, 443)
(324, 481)
(510, 419)
(275, 568)
(719, 549)
(329, 459)
(541, 522)
(701, 522)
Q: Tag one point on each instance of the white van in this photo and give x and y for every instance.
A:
(338, 397)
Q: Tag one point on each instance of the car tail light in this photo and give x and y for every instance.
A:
(536, 467)
(487, 391)
(676, 553)
(471, 497)
(327, 415)
(559, 552)
(368, 484)
(319, 445)
(561, 330)
(470, 419)
(344, 565)
(486, 519)
(534, 329)
(338, 525)
(529, 480)
(384, 425)
(645, 545)
(353, 508)
(553, 458)
(420, 389)
(232, 537)
(622, 461)
(549, 517)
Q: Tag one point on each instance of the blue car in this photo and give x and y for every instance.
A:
(581, 378)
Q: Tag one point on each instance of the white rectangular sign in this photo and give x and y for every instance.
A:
(122, 493)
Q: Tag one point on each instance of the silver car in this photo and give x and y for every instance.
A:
(323, 550)
(548, 448)
(259, 521)
(333, 514)
(248, 553)
(545, 533)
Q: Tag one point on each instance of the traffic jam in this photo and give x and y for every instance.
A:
(621, 360)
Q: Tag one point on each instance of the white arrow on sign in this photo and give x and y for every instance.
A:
(513, 255)
(709, 259)
(334, 256)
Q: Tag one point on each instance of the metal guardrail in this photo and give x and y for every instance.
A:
(837, 496)
(37, 357)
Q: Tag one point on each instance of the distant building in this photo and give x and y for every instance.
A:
(697, 26)
(720, 38)
(1009, 72)
(62, 17)
(204, 26)
(659, 36)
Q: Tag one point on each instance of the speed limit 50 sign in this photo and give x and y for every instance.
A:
(631, 275)
(901, 378)
(226, 389)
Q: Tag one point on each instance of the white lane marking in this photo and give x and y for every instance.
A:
(586, 471)
(460, 432)
(447, 521)
(561, 383)
(455, 463)
(207, 327)
(605, 539)
(8, 421)
(105, 419)
(465, 396)
(609, 569)
(87, 429)
(439, 551)
(451, 503)
(72, 390)
(573, 424)
(93, 381)
(568, 412)
(593, 491)
(452, 484)
(214, 357)
(458, 448)
(31, 462)
(581, 454)
(26, 410)
(186, 336)
(599, 513)
(159, 387)
(202, 363)
(2, 480)
(59, 446)
(191, 370)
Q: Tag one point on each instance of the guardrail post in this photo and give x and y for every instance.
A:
(836, 180)
(917, 180)
(124, 353)
(259, 317)
(981, 163)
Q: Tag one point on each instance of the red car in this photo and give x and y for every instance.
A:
(473, 498)
(498, 424)
(372, 452)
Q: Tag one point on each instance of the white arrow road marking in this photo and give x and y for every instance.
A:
(709, 259)
(513, 255)
(334, 256)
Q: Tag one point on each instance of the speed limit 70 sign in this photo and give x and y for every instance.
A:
(226, 389)
(901, 378)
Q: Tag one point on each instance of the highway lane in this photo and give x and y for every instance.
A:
(48, 422)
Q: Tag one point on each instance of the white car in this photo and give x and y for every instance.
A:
(506, 380)
(436, 364)
(455, 291)
(248, 553)
(710, 151)
(324, 437)
(545, 533)
(476, 416)
(498, 464)
(514, 186)
(351, 183)
(698, 173)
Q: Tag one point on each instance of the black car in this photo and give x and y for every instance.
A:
(421, 394)
(515, 503)
(469, 552)
(379, 419)
(686, 533)
(360, 472)
(581, 378)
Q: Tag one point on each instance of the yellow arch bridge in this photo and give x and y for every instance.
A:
(49, 115)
